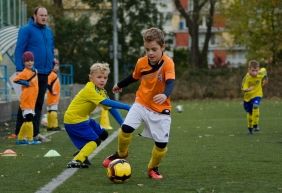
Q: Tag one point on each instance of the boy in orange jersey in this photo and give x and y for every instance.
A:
(152, 103)
(52, 101)
(28, 79)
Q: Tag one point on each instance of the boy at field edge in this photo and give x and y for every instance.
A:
(29, 81)
(52, 100)
(252, 85)
(83, 131)
(152, 103)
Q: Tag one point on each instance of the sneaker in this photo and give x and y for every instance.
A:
(53, 129)
(76, 164)
(110, 158)
(154, 173)
(33, 142)
(41, 138)
(21, 142)
(257, 129)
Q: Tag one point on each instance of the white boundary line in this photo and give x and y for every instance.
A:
(67, 173)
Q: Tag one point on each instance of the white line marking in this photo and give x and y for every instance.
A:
(67, 173)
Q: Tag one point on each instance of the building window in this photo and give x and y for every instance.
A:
(182, 25)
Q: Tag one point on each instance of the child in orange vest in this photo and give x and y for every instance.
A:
(29, 81)
(53, 97)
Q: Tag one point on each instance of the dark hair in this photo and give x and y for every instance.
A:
(253, 64)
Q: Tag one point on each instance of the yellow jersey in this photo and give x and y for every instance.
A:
(84, 103)
(256, 82)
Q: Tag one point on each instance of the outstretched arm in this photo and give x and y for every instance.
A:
(115, 104)
(117, 116)
(123, 83)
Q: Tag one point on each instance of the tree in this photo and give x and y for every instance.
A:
(132, 19)
(257, 26)
(193, 20)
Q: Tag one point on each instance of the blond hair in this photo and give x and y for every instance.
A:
(154, 34)
(100, 67)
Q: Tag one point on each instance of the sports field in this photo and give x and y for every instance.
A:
(209, 152)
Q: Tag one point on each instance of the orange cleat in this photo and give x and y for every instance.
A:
(154, 173)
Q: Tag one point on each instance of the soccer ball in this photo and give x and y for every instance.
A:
(179, 108)
(119, 170)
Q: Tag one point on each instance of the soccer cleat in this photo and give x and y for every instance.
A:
(33, 142)
(154, 173)
(256, 129)
(86, 161)
(21, 142)
(250, 131)
(41, 138)
(53, 129)
(110, 158)
(76, 164)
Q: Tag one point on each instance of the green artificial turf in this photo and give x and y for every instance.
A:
(209, 151)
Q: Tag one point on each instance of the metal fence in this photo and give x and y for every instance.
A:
(66, 79)
(4, 91)
(12, 12)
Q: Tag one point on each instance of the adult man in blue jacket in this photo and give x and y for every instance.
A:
(36, 37)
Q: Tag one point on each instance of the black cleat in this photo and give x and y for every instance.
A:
(76, 164)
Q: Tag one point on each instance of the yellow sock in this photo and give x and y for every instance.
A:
(22, 133)
(86, 151)
(249, 120)
(49, 121)
(29, 130)
(156, 157)
(124, 140)
(54, 119)
(255, 116)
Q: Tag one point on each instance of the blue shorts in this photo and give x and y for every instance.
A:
(248, 106)
(84, 132)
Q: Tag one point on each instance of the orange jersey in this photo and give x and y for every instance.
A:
(53, 93)
(152, 82)
(29, 93)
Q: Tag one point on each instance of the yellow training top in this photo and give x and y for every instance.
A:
(256, 82)
(84, 103)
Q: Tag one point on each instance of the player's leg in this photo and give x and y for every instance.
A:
(19, 121)
(159, 127)
(85, 139)
(255, 113)
(124, 139)
(248, 106)
(132, 121)
(158, 152)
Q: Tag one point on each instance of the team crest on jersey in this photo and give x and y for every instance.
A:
(160, 78)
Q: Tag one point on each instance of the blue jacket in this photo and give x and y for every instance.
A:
(39, 40)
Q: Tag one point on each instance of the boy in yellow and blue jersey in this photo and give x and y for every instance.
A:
(252, 86)
(84, 132)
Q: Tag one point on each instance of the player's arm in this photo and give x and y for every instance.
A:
(123, 83)
(264, 80)
(160, 98)
(245, 87)
(115, 104)
(117, 116)
(22, 82)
